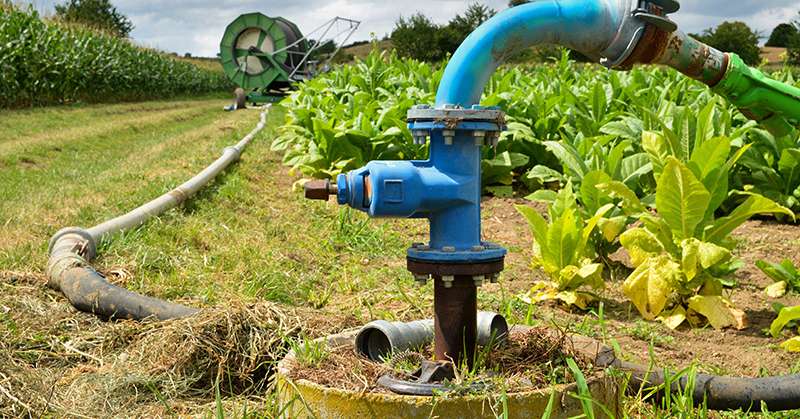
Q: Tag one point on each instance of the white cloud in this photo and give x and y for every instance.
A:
(196, 26)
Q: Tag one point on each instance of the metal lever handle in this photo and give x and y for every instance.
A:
(668, 6)
(319, 189)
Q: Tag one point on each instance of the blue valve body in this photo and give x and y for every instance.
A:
(446, 189)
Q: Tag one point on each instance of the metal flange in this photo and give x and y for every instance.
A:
(452, 115)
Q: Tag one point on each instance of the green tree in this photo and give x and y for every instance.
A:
(96, 14)
(459, 28)
(513, 3)
(417, 37)
(793, 46)
(782, 35)
(734, 37)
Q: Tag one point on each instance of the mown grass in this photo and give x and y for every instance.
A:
(250, 236)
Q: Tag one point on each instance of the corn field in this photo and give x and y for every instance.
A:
(48, 63)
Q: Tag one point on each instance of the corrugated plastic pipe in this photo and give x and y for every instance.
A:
(380, 338)
(72, 250)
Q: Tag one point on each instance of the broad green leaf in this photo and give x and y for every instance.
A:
(783, 271)
(568, 156)
(754, 205)
(789, 166)
(571, 277)
(786, 315)
(689, 257)
(501, 191)
(705, 125)
(543, 195)
(681, 199)
(630, 202)
(650, 285)
(592, 197)
(537, 224)
(697, 254)
(563, 238)
(635, 166)
(661, 232)
(657, 148)
(719, 312)
(791, 345)
(544, 174)
(588, 229)
(711, 155)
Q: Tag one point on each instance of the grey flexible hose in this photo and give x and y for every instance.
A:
(72, 249)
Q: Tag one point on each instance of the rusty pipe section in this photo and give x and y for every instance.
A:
(72, 250)
(380, 338)
(681, 52)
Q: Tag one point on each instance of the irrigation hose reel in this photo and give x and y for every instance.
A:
(264, 55)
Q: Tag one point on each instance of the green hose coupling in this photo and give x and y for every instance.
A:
(775, 105)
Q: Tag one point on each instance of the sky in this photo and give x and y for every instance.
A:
(196, 26)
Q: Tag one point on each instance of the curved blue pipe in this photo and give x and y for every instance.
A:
(588, 26)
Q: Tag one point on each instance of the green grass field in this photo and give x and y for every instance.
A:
(248, 238)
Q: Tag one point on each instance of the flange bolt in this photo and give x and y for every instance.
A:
(447, 281)
(319, 189)
(421, 280)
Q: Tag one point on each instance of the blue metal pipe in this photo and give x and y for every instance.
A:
(592, 27)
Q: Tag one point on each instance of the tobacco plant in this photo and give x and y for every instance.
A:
(785, 275)
(682, 254)
(562, 250)
(788, 317)
(772, 167)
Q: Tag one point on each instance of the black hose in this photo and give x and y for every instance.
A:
(717, 392)
(72, 249)
(89, 291)
(722, 393)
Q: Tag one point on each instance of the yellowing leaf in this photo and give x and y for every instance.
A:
(696, 254)
(786, 315)
(710, 254)
(719, 312)
(611, 228)
(641, 245)
(776, 290)
(575, 298)
(711, 287)
(689, 256)
(674, 318)
(792, 345)
(541, 291)
(649, 286)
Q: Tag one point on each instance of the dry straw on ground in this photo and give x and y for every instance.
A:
(54, 359)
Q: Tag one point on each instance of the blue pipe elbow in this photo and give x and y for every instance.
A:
(596, 28)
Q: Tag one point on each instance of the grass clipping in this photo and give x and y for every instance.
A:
(230, 350)
(57, 361)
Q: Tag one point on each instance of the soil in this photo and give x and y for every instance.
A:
(748, 352)
(528, 361)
